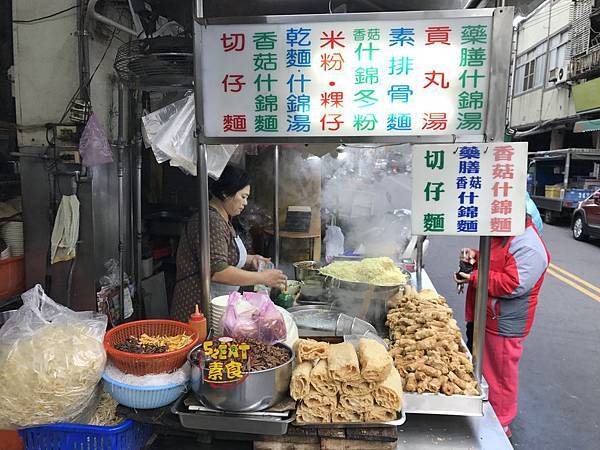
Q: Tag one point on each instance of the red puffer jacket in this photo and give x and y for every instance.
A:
(517, 268)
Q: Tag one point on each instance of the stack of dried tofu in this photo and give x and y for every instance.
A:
(427, 346)
(336, 384)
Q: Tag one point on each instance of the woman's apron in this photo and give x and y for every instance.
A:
(218, 289)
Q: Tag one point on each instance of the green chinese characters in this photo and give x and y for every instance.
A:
(473, 58)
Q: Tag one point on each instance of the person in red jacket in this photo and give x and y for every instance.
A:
(517, 268)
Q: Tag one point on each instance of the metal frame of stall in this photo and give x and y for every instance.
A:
(501, 42)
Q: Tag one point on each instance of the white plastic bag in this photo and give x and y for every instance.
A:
(51, 359)
(155, 121)
(334, 243)
(217, 157)
(170, 133)
(176, 137)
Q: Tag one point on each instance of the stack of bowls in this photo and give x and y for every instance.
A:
(12, 233)
(217, 310)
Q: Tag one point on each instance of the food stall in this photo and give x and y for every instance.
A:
(437, 81)
(385, 79)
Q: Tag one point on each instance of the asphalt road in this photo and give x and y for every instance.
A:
(559, 395)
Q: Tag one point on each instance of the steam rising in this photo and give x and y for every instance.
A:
(368, 191)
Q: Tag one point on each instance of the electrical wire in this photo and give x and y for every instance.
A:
(536, 19)
(37, 19)
(87, 83)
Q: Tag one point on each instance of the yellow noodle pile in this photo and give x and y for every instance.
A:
(377, 271)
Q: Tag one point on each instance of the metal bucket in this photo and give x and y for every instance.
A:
(306, 270)
(259, 390)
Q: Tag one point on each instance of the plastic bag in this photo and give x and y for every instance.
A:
(217, 157)
(108, 296)
(176, 137)
(51, 359)
(170, 133)
(93, 145)
(254, 316)
(334, 242)
(153, 122)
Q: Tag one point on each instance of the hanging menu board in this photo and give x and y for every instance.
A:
(346, 78)
(469, 189)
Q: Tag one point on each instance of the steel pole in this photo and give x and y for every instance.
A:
(276, 206)
(202, 173)
(481, 300)
(138, 206)
(420, 241)
(203, 208)
(121, 151)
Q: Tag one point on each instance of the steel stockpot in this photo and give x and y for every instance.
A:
(259, 390)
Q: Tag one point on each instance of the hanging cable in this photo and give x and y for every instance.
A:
(87, 83)
(58, 13)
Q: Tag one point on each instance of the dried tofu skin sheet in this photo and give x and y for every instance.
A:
(300, 382)
(343, 362)
(375, 361)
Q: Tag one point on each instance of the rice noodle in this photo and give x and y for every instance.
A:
(49, 376)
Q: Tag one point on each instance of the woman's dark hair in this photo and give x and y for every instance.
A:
(232, 180)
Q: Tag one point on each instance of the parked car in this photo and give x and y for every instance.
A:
(586, 218)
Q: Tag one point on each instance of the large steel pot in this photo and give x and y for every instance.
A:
(259, 390)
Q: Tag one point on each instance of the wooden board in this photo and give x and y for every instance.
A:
(306, 438)
(339, 444)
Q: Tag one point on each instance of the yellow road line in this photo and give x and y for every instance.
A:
(575, 286)
(575, 277)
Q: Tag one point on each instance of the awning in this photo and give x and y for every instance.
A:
(584, 126)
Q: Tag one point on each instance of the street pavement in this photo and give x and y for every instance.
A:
(559, 395)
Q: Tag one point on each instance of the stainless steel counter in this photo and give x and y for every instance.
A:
(453, 432)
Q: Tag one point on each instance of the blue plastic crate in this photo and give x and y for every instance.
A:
(129, 435)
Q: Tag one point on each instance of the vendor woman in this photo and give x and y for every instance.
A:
(230, 265)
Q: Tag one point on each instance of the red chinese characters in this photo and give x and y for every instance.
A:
(234, 42)
(502, 204)
(332, 99)
(333, 39)
(233, 83)
(434, 78)
(332, 61)
(331, 122)
(438, 35)
(435, 121)
(234, 122)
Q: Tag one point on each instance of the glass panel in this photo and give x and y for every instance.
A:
(519, 76)
(561, 55)
(552, 59)
(540, 65)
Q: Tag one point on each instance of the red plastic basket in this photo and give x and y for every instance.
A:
(142, 364)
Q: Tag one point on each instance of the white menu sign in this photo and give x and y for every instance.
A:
(346, 78)
(469, 189)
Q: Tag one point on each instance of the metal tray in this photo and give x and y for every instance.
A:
(221, 421)
(394, 423)
(441, 404)
(447, 405)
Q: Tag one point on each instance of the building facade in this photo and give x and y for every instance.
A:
(554, 86)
